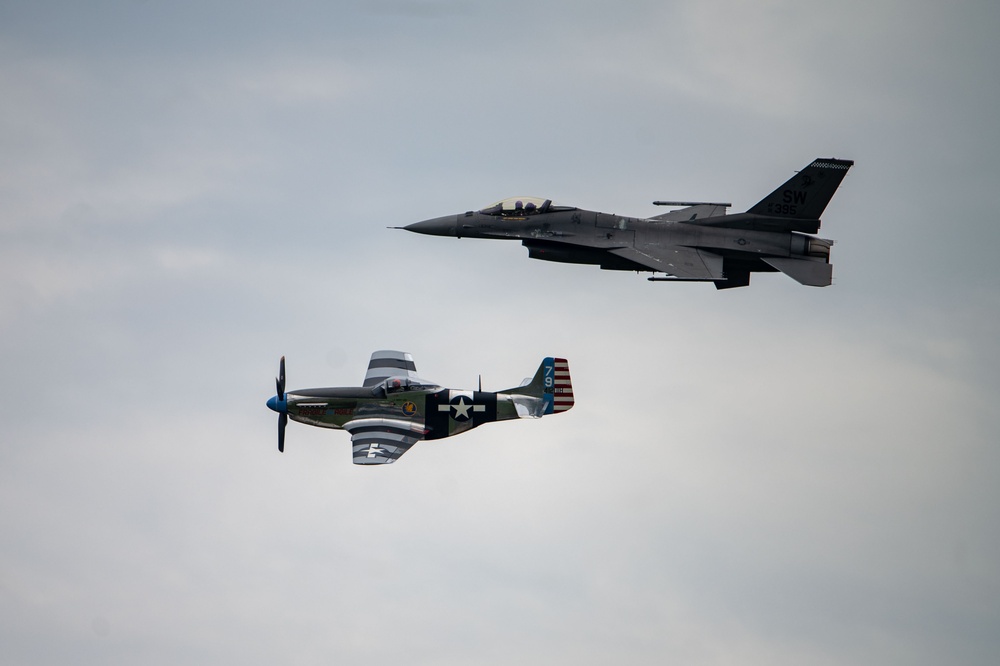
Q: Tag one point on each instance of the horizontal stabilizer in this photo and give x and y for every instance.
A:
(812, 273)
(528, 407)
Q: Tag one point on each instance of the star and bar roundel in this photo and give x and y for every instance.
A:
(450, 411)
(462, 407)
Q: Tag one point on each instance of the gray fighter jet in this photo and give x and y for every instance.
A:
(395, 409)
(699, 242)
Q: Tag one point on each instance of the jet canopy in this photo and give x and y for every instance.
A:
(519, 206)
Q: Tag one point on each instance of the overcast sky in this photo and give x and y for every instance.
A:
(771, 475)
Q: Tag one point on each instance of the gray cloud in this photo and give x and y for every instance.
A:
(769, 475)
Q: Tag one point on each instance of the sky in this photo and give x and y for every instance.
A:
(770, 475)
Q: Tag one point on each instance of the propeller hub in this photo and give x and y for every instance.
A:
(276, 405)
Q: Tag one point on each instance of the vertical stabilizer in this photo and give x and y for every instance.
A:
(806, 194)
(552, 384)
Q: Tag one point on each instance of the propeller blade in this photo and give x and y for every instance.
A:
(282, 420)
(279, 384)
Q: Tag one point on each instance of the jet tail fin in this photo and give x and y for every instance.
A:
(551, 384)
(806, 194)
(795, 206)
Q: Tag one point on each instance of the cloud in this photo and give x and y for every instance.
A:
(776, 474)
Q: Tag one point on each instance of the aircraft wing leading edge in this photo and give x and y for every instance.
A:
(379, 441)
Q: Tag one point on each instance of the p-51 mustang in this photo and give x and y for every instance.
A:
(395, 409)
(699, 243)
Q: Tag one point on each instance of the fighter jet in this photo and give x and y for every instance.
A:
(698, 242)
(394, 408)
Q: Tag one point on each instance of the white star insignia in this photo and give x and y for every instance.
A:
(462, 408)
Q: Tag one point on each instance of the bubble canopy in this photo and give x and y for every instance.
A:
(523, 206)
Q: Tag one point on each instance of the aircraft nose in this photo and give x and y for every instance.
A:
(438, 226)
(276, 405)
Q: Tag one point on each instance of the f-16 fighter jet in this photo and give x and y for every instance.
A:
(699, 242)
(395, 409)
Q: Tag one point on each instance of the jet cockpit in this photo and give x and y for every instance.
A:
(522, 206)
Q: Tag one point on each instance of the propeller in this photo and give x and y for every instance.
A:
(280, 379)
(282, 415)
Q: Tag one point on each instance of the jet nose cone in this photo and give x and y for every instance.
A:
(276, 405)
(438, 226)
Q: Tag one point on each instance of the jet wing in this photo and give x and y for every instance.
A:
(378, 441)
(678, 260)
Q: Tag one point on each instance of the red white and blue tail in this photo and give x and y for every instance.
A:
(558, 385)
(551, 384)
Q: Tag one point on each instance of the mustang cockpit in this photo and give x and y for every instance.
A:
(521, 206)
(399, 385)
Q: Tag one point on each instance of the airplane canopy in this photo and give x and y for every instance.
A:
(522, 206)
(399, 384)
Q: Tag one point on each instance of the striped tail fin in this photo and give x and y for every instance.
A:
(559, 394)
(551, 384)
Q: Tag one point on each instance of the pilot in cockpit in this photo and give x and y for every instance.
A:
(522, 208)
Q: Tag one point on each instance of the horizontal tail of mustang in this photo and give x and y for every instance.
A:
(551, 385)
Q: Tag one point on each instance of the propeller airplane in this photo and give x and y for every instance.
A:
(394, 408)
